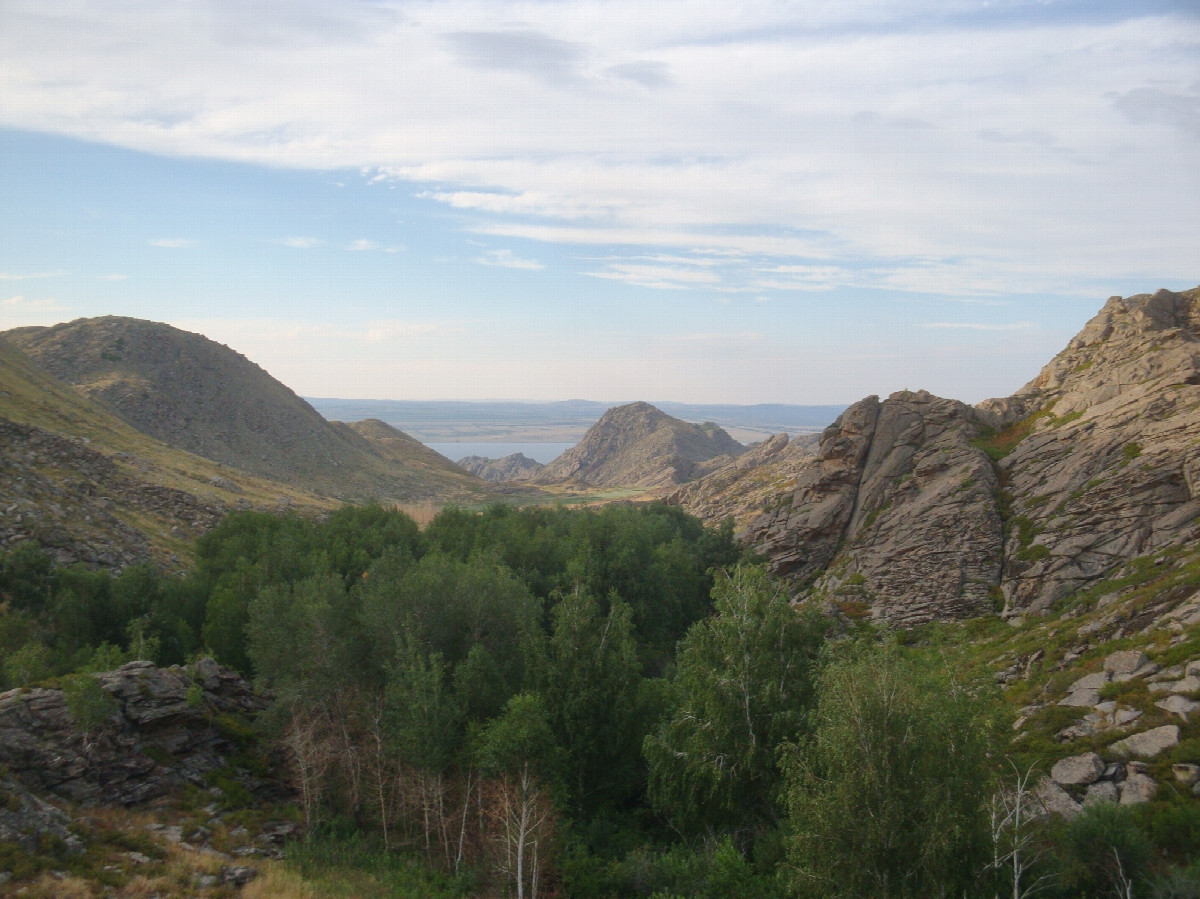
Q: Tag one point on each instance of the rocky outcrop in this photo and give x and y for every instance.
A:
(1110, 467)
(167, 727)
(751, 484)
(514, 467)
(637, 445)
(898, 513)
(920, 508)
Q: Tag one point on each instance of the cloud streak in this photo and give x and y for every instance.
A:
(894, 140)
(507, 259)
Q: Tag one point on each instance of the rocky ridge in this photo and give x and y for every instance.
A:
(513, 467)
(752, 483)
(637, 445)
(919, 508)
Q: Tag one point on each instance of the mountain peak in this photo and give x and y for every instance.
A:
(640, 445)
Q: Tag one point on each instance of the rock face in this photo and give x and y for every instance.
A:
(919, 508)
(514, 467)
(752, 483)
(162, 735)
(639, 446)
(898, 512)
(1111, 467)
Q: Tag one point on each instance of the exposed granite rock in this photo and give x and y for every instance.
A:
(1149, 743)
(160, 716)
(898, 512)
(1137, 788)
(756, 481)
(1055, 800)
(1078, 769)
(905, 514)
(1111, 467)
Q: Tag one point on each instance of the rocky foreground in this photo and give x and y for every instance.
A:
(150, 738)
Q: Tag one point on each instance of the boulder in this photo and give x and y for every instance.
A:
(1055, 800)
(1078, 769)
(1101, 791)
(1186, 773)
(1137, 788)
(1178, 705)
(1149, 743)
(1126, 661)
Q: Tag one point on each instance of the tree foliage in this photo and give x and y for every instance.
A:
(744, 685)
(888, 794)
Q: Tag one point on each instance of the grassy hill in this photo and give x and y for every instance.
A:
(200, 396)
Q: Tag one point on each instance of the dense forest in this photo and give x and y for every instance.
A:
(611, 702)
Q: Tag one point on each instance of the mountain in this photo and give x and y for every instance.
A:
(514, 467)
(198, 395)
(919, 508)
(90, 488)
(637, 445)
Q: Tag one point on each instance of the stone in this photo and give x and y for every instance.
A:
(1090, 681)
(1186, 773)
(139, 858)
(1126, 661)
(1055, 800)
(1081, 698)
(1137, 788)
(237, 875)
(1178, 705)
(1077, 769)
(1101, 791)
(1149, 743)
(1189, 684)
(122, 763)
(1125, 716)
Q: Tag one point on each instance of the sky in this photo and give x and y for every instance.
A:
(694, 200)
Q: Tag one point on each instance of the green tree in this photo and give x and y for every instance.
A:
(743, 686)
(591, 686)
(889, 795)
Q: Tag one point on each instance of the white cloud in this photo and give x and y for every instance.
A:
(112, 277)
(893, 140)
(173, 243)
(300, 243)
(662, 277)
(362, 245)
(507, 259)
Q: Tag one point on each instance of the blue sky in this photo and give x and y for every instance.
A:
(799, 202)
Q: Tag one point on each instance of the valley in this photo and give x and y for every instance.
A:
(229, 619)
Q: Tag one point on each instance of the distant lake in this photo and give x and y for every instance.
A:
(539, 452)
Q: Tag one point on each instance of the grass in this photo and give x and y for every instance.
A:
(356, 866)
(998, 444)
